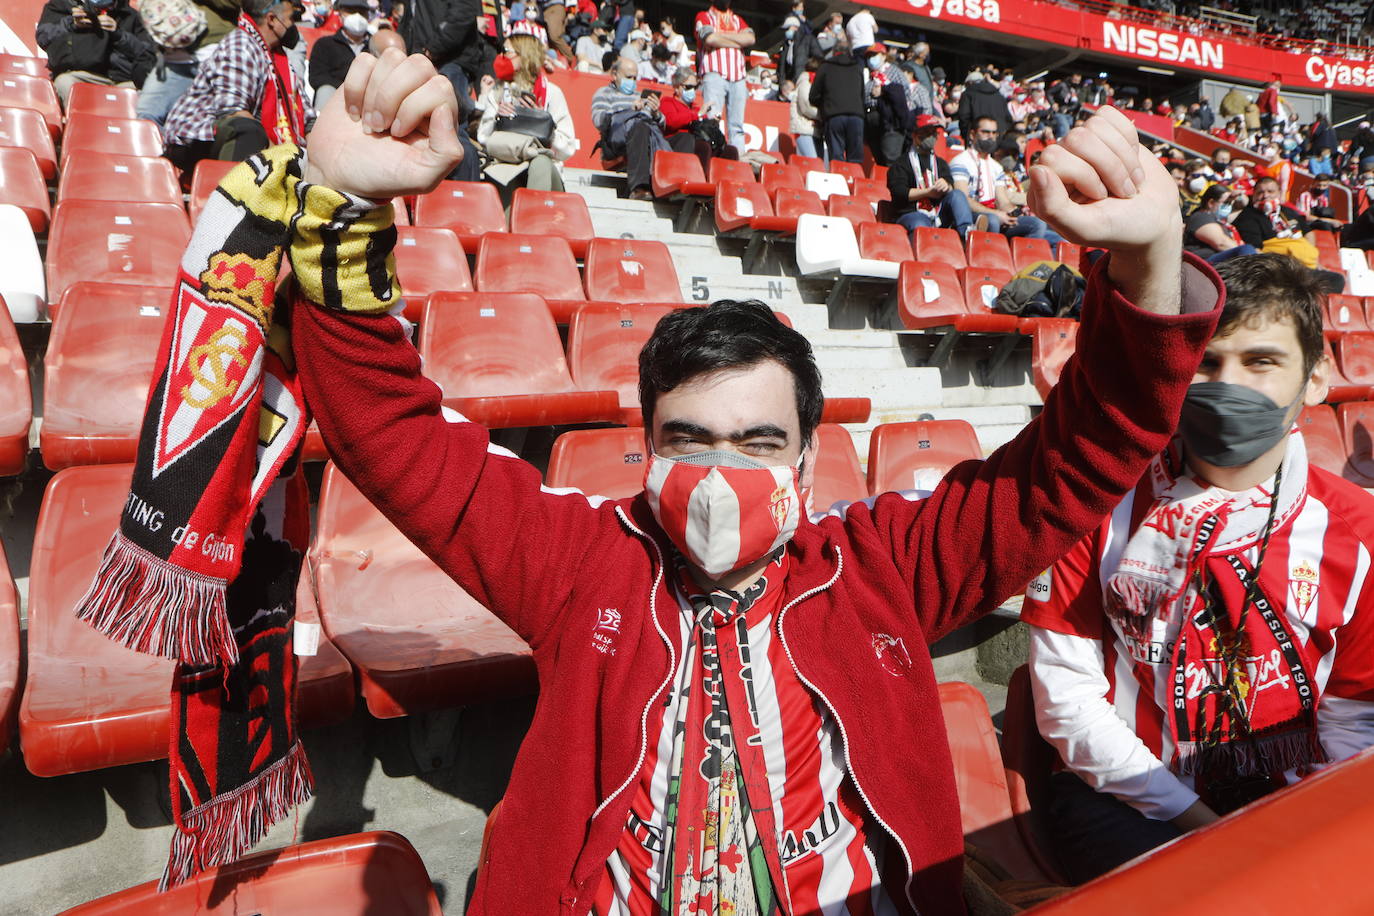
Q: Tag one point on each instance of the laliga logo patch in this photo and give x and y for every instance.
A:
(1303, 586)
(781, 504)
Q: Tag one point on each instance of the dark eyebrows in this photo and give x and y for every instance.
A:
(688, 428)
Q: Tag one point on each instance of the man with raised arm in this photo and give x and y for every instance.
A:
(737, 710)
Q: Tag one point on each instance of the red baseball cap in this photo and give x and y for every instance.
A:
(926, 120)
(877, 48)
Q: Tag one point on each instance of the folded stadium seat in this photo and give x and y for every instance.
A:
(670, 171)
(872, 190)
(1355, 354)
(789, 205)
(126, 136)
(1069, 254)
(470, 208)
(16, 406)
(852, 171)
(359, 874)
(1027, 251)
(22, 185)
(981, 286)
(138, 244)
(981, 779)
(24, 128)
(1342, 388)
(36, 93)
(827, 246)
(855, 209)
(917, 455)
(1052, 343)
(102, 101)
(9, 652)
(24, 65)
(1343, 314)
(884, 242)
(1028, 761)
(775, 175)
(604, 340)
(737, 203)
(98, 369)
(603, 462)
(989, 249)
(845, 410)
(543, 265)
(111, 176)
(807, 163)
(89, 702)
(1357, 431)
(838, 475)
(417, 640)
(21, 282)
(877, 172)
(207, 176)
(697, 194)
(559, 213)
(428, 260)
(930, 295)
(942, 246)
(1324, 240)
(500, 362)
(1321, 432)
(826, 184)
(631, 270)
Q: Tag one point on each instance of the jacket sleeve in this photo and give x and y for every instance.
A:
(991, 525)
(55, 21)
(806, 105)
(817, 93)
(899, 182)
(459, 29)
(676, 115)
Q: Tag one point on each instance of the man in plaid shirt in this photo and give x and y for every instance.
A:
(246, 97)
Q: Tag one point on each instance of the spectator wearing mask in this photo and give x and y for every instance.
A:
(1277, 168)
(889, 118)
(832, 34)
(723, 38)
(529, 24)
(636, 46)
(922, 188)
(802, 114)
(978, 174)
(797, 48)
(333, 54)
(1361, 145)
(1270, 107)
(838, 97)
(861, 30)
(681, 114)
(1206, 117)
(246, 97)
(1260, 619)
(982, 100)
(658, 67)
(1266, 216)
(631, 127)
(181, 38)
(1320, 163)
(1316, 206)
(675, 41)
(1221, 163)
(1208, 233)
(920, 69)
(592, 49)
(104, 43)
(521, 86)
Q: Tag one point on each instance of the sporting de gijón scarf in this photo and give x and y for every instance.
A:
(204, 566)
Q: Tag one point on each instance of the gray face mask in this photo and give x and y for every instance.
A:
(1230, 425)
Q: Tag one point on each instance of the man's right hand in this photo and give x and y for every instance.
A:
(390, 131)
(79, 18)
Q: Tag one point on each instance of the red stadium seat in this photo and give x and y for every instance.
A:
(102, 101)
(417, 640)
(938, 246)
(89, 702)
(604, 462)
(845, 410)
(125, 136)
(24, 128)
(1027, 251)
(981, 286)
(500, 362)
(981, 780)
(207, 176)
(22, 184)
(775, 176)
(110, 176)
(36, 93)
(989, 249)
(930, 295)
(428, 260)
(99, 366)
(23, 65)
(1325, 241)
(884, 242)
(720, 171)
(877, 172)
(1028, 762)
(1330, 260)
(807, 164)
(631, 270)
(903, 456)
(856, 210)
(1321, 431)
(559, 213)
(9, 652)
(1070, 254)
(672, 170)
(543, 265)
(604, 340)
(838, 475)
(1052, 343)
(1340, 387)
(359, 874)
(788, 205)
(738, 203)
(1344, 313)
(470, 208)
(871, 190)
(16, 407)
(1357, 431)
(138, 244)
(852, 171)
(1355, 354)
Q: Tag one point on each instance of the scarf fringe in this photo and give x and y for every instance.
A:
(157, 608)
(224, 828)
(1261, 755)
(1136, 603)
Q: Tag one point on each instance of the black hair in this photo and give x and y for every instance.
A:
(661, 52)
(1213, 192)
(727, 334)
(1275, 286)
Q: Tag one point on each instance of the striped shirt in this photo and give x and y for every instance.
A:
(728, 62)
(1102, 700)
(983, 174)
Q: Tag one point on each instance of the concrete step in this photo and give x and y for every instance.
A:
(891, 389)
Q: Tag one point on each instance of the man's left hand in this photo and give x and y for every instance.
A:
(107, 22)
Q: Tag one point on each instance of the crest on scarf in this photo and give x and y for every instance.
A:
(781, 505)
(1303, 586)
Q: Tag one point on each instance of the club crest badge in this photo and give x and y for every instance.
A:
(1303, 586)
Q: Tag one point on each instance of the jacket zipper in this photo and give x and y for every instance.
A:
(844, 736)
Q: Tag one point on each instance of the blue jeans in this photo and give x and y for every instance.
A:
(806, 145)
(623, 26)
(1228, 254)
(1027, 226)
(1094, 832)
(157, 96)
(953, 213)
(844, 138)
(717, 90)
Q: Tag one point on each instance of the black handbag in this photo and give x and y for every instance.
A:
(530, 122)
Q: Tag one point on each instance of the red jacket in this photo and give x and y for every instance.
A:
(546, 562)
(677, 114)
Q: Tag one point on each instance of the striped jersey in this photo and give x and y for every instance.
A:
(1316, 573)
(983, 174)
(728, 62)
(831, 855)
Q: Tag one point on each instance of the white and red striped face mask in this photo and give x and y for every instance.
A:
(722, 509)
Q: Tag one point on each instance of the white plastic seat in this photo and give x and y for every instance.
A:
(1357, 272)
(21, 282)
(827, 245)
(826, 183)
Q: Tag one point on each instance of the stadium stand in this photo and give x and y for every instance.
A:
(204, 180)
(1321, 434)
(90, 99)
(35, 94)
(989, 251)
(1028, 760)
(1343, 314)
(16, 407)
(604, 462)
(604, 340)
(1052, 343)
(429, 260)
(884, 242)
(22, 184)
(470, 209)
(826, 184)
(24, 128)
(1355, 356)
(557, 213)
(857, 210)
(1025, 251)
(671, 171)
(630, 270)
(23, 64)
(114, 176)
(839, 478)
(118, 242)
(915, 455)
(1357, 432)
(775, 176)
(9, 652)
(123, 136)
(941, 246)
(543, 265)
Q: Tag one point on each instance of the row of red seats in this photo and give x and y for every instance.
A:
(16, 406)
(1340, 439)
(26, 128)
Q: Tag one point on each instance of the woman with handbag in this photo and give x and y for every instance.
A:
(526, 128)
